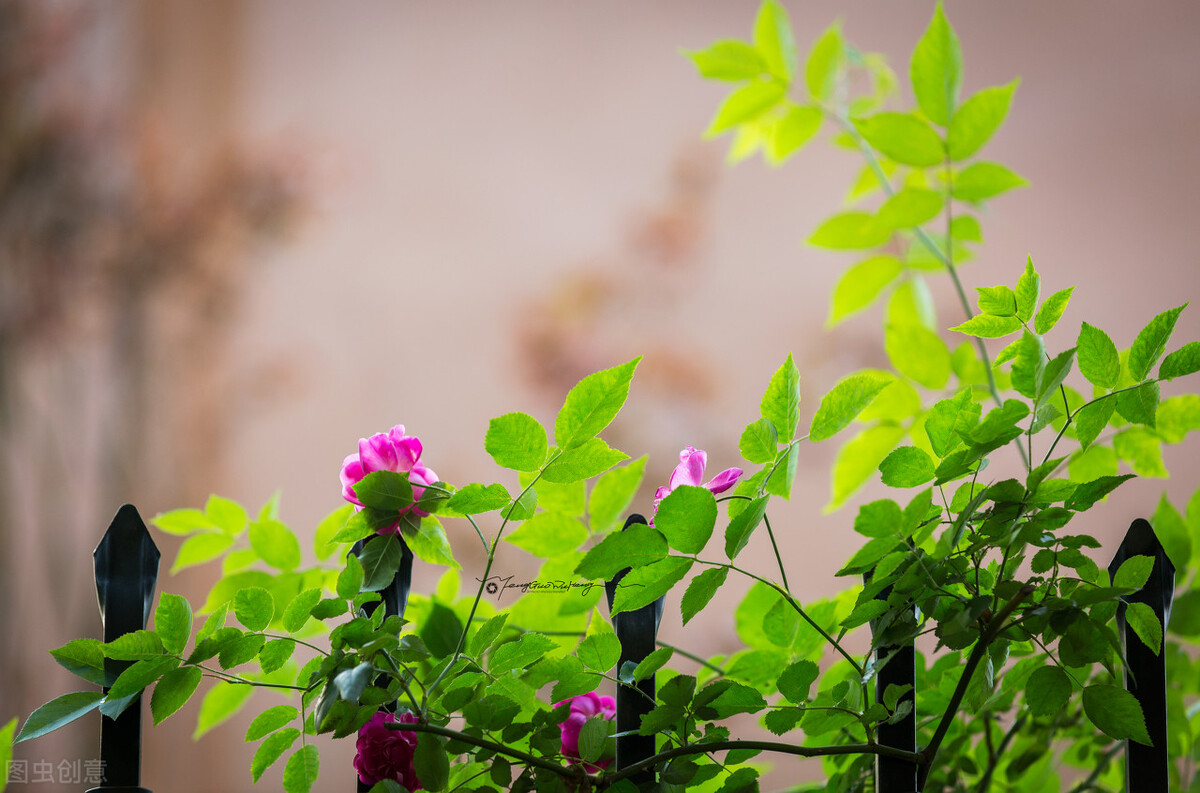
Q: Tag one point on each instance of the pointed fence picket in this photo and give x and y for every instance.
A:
(126, 569)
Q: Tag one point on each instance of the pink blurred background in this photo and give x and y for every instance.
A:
(261, 230)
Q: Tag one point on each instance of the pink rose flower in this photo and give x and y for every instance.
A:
(690, 471)
(584, 707)
(393, 451)
(386, 754)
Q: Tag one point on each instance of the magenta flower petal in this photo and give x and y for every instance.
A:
(584, 707)
(724, 480)
(391, 451)
(377, 453)
(690, 470)
(386, 754)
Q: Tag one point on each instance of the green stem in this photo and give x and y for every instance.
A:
(483, 743)
(775, 547)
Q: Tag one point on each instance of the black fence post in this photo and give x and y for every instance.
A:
(898, 666)
(126, 566)
(394, 602)
(1146, 767)
(637, 631)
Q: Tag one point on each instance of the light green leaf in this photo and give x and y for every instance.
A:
(759, 442)
(173, 621)
(746, 104)
(1146, 625)
(985, 326)
(978, 119)
(949, 420)
(1051, 310)
(999, 301)
(774, 41)
(1142, 449)
(796, 680)
(519, 653)
(821, 70)
(1177, 416)
(911, 303)
(743, 524)
(296, 613)
(592, 405)
(173, 691)
(784, 472)
(182, 522)
(919, 354)
(549, 534)
(201, 548)
(613, 493)
(254, 607)
(483, 639)
(57, 712)
(999, 421)
(1028, 288)
(860, 285)
(1047, 691)
(983, 180)
(275, 654)
(1151, 341)
(791, 131)
(910, 207)
(83, 657)
(301, 770)
(902, 137)
(728, 60)
(687, 517)
(221, 702)
(644, 585)
(599, 651)
(907, 466)
(350, 580)
(781, 402)
(516, 441)
(427, 540)
(1134, 572)
(655, 660)
(1140, 405)
(1098, 359)
(583, 461)
(635, 546)
(845, 401)
(860, 458)
(271, 750)
(1092, 418)
(701, 591)
(1116, 713)
(134, 646)
(269, 721)
(6, 750)
(477, 498)
(323, 543)
(1093, 463)
(936, 70)
(1184, 361)
(275, 544)
(226, 515)
(850, 231)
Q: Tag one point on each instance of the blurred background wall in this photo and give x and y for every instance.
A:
(237, 236)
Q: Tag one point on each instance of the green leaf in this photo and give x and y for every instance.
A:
(936, 70)
(6, 750)
(173, 691)
(949, 420)
(613, 493)
(1140, 405)
(363, 524)
(296, 613)
(985, 326)
(583, 461)
(254, 607)
(999, 421)
(796, 680)
(1052, 309)
(1142, 449)
(226, 515)
(57, 712)
(909, 207)
(269, 721)
(1116, 713)
(1146, 625)
(759, 442)
(978, 119)
(386, 491)
(902, 137)
(701, 591)
(592, 405)
(599, 651)
(182, 522)
(1028, 289)
(845, 401)
(1055, 371)
(850, 231)
(431, 762)
(983, 180)
(428, 542)
(644, 585)
(919, 354)
(774, 41)
(743, 524)
(1088, 493)
(592, 737)
(861, 285)
(549, 534)
(271, 750)
(784, 472)
(301, 770)
(1151, 341)
(200, 548)
(821, 70)
(1047, 691)
(728, 60)
(654, 661)
(745, 104)
(520, 653)
(275, 544)
(781, 402)
(999, 301)
(173, 621)
(907, 466)
(1184, 361)
(83, 657)
(1098, 359)
(380, 559)
(476, 498)
(1092, 418)
(134, 646)
(1134, 572)
(635, 546)
(483, 638)
(790, 132)
(687, 517)
(860, 458)
(275, 654)
(516, 441)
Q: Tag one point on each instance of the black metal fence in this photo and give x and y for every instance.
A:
(126, 565)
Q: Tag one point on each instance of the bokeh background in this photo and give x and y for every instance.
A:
(237, 236)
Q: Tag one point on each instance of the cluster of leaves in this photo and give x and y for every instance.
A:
(1021, 664)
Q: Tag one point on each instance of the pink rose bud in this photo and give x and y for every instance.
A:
(391, 451)
(584, 707)
(690, 471)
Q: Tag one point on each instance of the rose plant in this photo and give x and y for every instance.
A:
(1019, 669)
